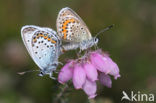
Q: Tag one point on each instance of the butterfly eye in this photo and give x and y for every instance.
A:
(41, 74)
(96, 40)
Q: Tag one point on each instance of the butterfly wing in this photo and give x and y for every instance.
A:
(70, 26)
(43, 45)
(27, 33)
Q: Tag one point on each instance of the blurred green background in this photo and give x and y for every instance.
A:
(131, 43)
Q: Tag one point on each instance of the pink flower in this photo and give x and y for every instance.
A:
(99, 62)
(66, 73)
(91, 71)
(90, 88)
(114, 70)
(85, 71)
(79, 76)
(104, 64)
(105, 80)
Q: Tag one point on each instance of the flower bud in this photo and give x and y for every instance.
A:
(66, 73)
(79, 76)
(91, 71)
(105, 80)
(90, 88)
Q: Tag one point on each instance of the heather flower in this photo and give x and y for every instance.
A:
(114, 70)
(104, 63)
(99, 62)
(66, 73)
(91, 71)
(85, 71)
(105, 80)
(90, 88)
(79, 76)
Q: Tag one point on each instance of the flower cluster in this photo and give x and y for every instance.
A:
(85, 71)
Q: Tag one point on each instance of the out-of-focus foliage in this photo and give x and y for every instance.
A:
(131, 43)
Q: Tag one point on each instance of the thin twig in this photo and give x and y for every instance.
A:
(92, 101)
(60, 94)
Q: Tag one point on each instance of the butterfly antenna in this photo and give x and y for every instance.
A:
(107, 28)
(22, 73)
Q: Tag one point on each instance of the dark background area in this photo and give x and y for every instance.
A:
(131, 43)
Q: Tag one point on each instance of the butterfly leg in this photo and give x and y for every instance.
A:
(60, 63)
(79, 53)
(56, 72)
(51, 76)
(96, 47)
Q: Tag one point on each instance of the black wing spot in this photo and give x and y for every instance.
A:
(36, 46)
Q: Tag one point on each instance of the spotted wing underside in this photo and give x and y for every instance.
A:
(70, 26)
(42, 44)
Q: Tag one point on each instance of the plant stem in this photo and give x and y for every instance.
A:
(92, 101)
(60, 94)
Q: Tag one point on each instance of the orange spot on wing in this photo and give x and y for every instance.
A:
(65, 26)
(48, 39)
(41, 35)
(53, 41)
(72, 20)
(64, 31)
(34, 40)
(37, 36)
(45, 37)
(65, 36)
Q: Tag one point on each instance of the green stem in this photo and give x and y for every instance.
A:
(60, 94)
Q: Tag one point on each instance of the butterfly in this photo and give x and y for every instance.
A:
(44, 46)
(72, 29)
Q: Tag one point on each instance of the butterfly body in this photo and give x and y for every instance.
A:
(88, 43)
